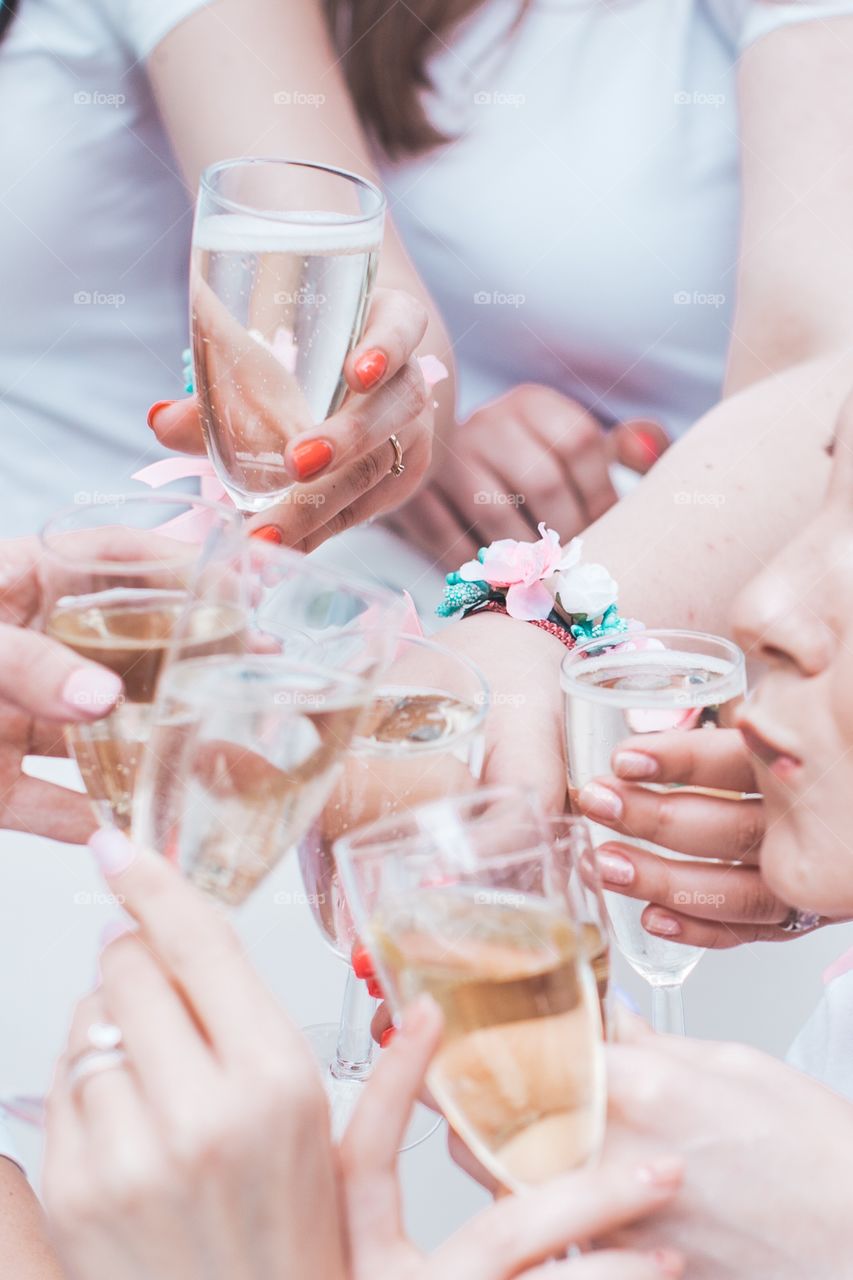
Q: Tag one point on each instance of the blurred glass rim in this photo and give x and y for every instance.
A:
(238, 676)
(293, 217)
(696, 644)
(179, 503)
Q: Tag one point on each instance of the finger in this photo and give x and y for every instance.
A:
(532, 473)
(48, 810)
(578, 443)
(639, 443)
(177, 425)
(487, 504)
(461, 1154)
(614, 1264)
(700, 890)
(376, 1132)
(42, 677)
(520, 1231)
(709, 934)
(711, 827)
(198, 949)
(395, 327)
(717, 760)
(382, 1020)
(359, 428)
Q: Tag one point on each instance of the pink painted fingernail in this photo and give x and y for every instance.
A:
(614, 868)
(112, 851)
(668, 1262)
(634, 764)
(115, 929)
(666, 1172)
(659, 922)
(90, 691)
(600, 802)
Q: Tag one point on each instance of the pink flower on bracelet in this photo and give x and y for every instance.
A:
(520, 569)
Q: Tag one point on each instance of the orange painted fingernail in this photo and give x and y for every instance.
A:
(268, 533)
(310, 457)
(155, 409)
(386, 1037)
(374, 989)
(370, 368)
(362, 965)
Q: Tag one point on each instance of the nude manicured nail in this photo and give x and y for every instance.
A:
(91, 690)
(659, 922)
(666, 1172)
(634, 764)
(668, 1262)
(112, 851)
(600, 802)
(614, 868)
(115, 929)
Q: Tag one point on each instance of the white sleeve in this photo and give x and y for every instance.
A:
(146, 22)
(765, 16)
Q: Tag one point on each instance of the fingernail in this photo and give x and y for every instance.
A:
(91, 690)
(362, 965)
(634, 764)
(112, 851)
(668, 1262)
(155, 409)
(115, 929)
(374, 989)
(310, 457)
(659, 922)
(667, 1172)
(651, 445)
(386, 1037)
(268, 533)
(370, 368)
(600, 802)
(614, 868)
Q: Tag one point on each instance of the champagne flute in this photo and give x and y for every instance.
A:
(284, 258)
(464, 899)
(423, 738)
(649, 683)
(116, 576)
(576, 859)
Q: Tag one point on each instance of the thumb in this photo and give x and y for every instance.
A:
(638, 443)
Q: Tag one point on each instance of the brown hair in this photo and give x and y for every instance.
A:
(385, 45)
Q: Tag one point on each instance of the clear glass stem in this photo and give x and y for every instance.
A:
(668, 1009)
(354, 1054)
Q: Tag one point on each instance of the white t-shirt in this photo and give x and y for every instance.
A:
(583, 229)
(95, 225)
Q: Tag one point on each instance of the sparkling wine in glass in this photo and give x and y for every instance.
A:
(463, 899)
(116, 581)
(284, 258)
(575, 856)
(615, 688)
(423, 738)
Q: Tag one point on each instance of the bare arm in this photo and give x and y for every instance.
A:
(217, 77)
(24, 1244)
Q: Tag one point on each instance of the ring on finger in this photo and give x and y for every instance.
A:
(797, 921)
(105, 1053)
(398, 466)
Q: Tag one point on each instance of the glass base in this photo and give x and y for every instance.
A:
(343, 1089)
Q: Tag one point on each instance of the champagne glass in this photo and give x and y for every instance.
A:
(575, 855)
(116, 576)
(464, 899)
(284, 258)
(423, 738)
(649, 683)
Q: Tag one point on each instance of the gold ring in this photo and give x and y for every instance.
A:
(399, 465)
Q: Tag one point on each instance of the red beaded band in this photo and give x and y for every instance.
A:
(553, 628)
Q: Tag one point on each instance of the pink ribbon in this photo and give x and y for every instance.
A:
(841, 966)
(194, 525)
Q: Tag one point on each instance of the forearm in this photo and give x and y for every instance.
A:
(721, 501)
(24, 1244)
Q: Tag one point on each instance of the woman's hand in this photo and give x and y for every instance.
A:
(42, 687)
(699, 903)
(531, 455)
(768, 1154)
(515, 1237)
(207, 1154)
(343, 466)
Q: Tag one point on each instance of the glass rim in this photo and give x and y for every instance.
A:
(237, 206)
(332, 676)
(363, 844)
(232, 526)
(572, 663)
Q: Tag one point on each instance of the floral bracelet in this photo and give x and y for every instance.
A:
(540, 582)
